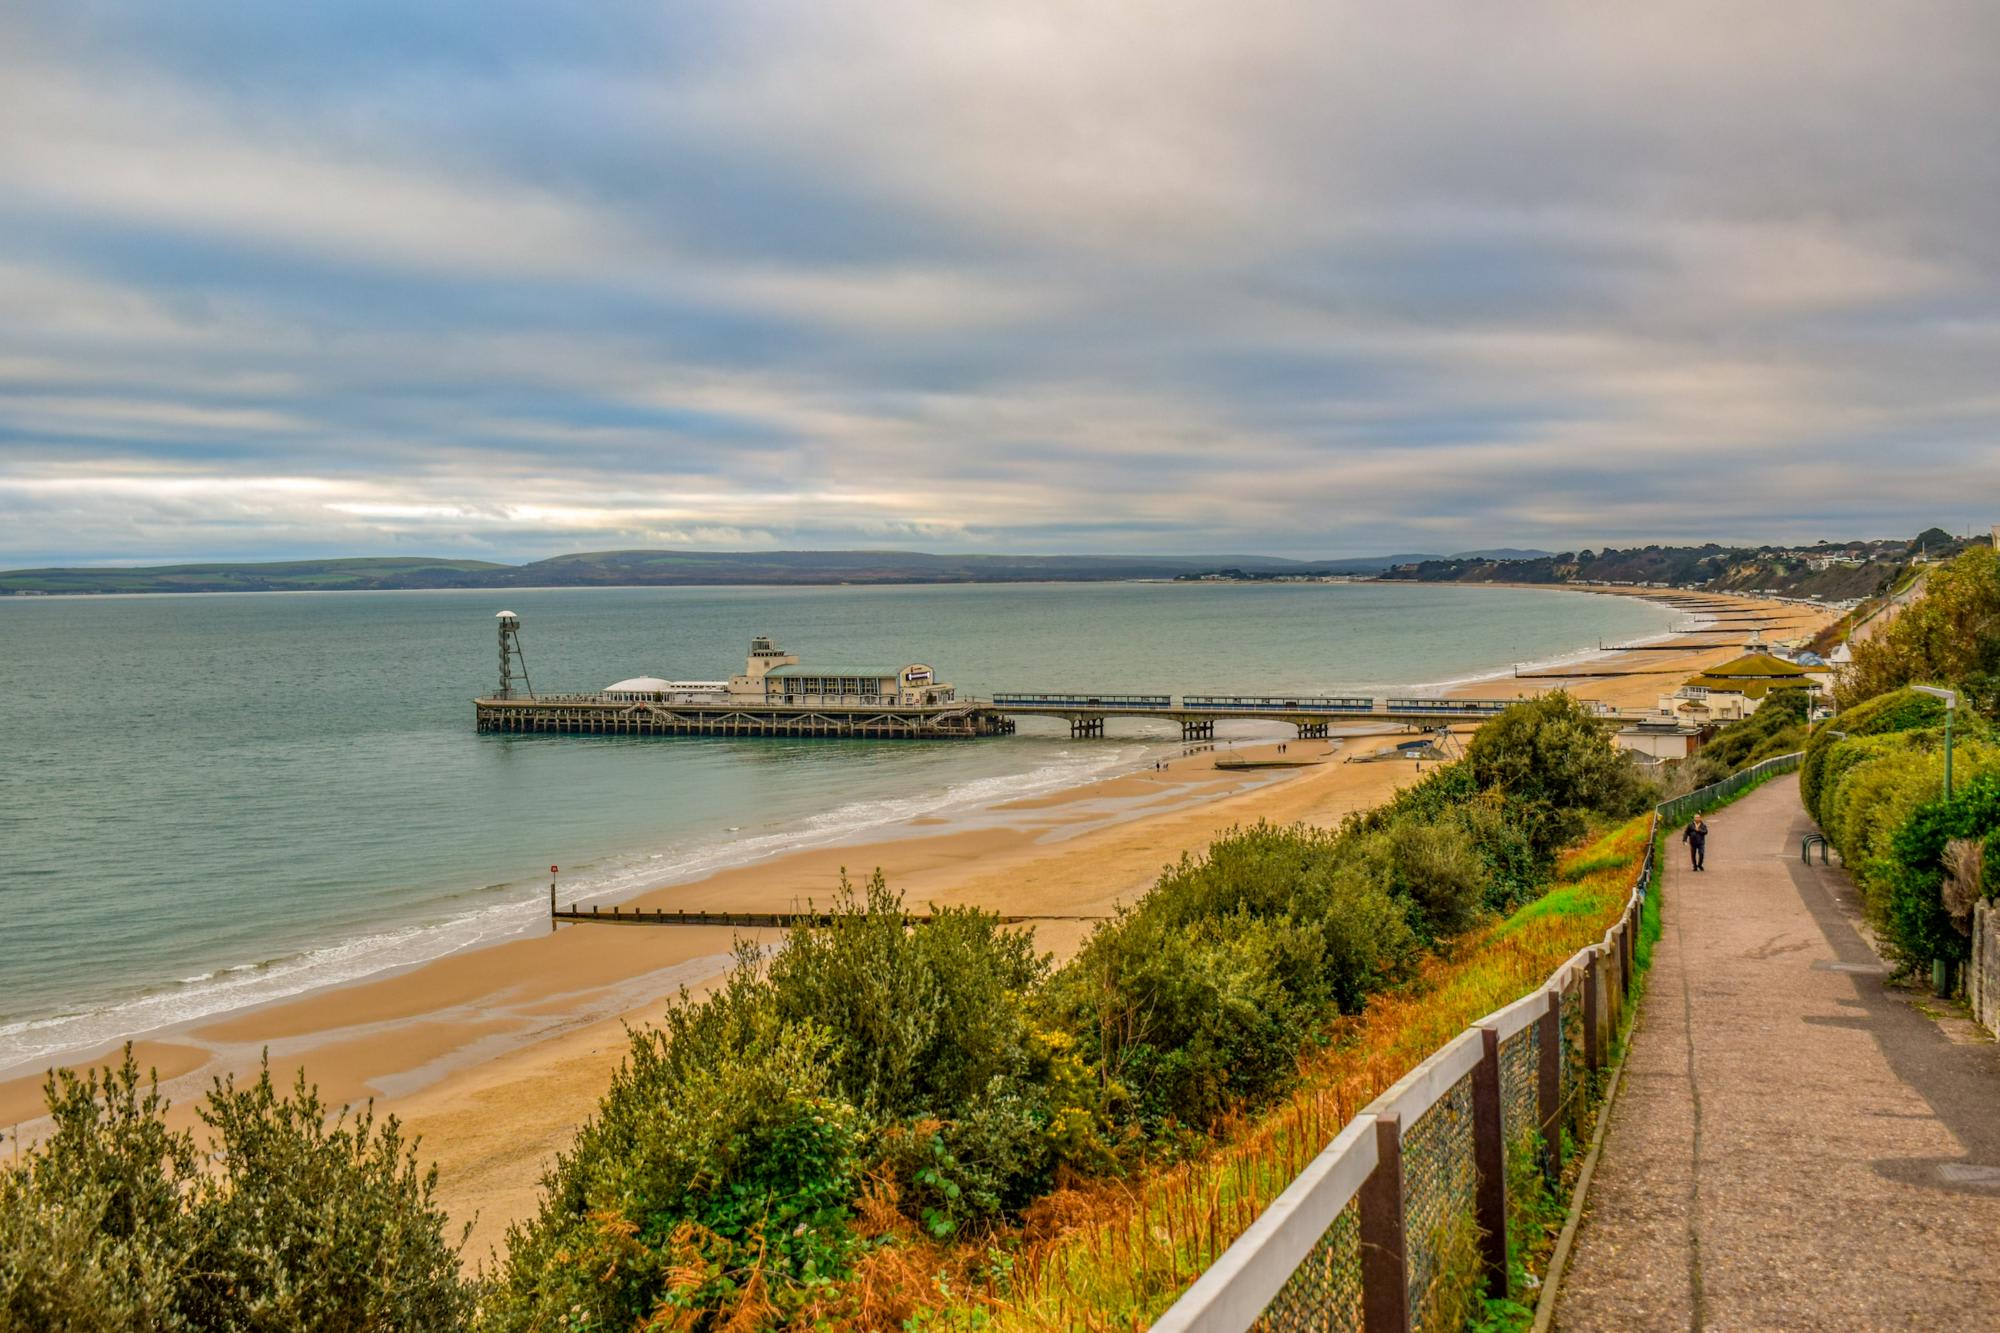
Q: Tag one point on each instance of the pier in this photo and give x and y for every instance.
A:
(602, 714)
(775, 696)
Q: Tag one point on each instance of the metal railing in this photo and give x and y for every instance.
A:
(1363, 1238)
(1716, 793)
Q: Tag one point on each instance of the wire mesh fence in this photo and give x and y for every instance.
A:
(1520, 1086)
(1323, 1294)
(1439, 1177)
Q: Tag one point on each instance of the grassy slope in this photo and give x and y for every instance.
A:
(1115, 1255)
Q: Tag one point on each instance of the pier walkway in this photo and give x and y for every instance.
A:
(1795, 1145)
(604, 714)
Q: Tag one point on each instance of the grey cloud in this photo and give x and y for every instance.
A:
(1120, 276)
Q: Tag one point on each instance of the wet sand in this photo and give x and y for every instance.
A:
(495, 1055)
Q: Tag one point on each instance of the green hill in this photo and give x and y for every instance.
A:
(276, 576)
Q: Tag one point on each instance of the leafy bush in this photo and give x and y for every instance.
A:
(94, 1232)
(304, 1224)
(1517, 864)
(1845, 770)
(1553, 752)
(719, 1177)
(318, 1221)
(1199, 998)
(920, 1021)
(1436, 869)
(714, 1183)
(1920, 925)
(1899, 710)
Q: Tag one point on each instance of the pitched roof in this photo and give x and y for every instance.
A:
(1755, 665)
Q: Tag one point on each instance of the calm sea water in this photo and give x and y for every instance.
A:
(209, 801)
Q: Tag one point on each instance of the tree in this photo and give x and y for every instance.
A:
(1553, 752)
(1948, 636)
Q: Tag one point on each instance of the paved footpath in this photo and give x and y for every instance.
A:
(1794, 1145)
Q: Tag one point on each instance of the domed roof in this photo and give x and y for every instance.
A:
(638, 685)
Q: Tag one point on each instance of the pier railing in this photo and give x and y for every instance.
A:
(1365, 1237)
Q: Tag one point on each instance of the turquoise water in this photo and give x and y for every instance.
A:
(210, 801)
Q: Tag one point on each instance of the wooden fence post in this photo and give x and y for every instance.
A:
(1632, 949)
(1489, 1155)
(1548, 1092)
(1614, 998)
(1385, 1260)
(1592, 974)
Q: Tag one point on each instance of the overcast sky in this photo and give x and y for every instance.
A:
(1310, 279)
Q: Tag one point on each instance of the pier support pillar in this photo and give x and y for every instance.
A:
(1081, 727)
(1197, 731)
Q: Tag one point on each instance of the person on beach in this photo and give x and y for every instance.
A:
(1695, 835)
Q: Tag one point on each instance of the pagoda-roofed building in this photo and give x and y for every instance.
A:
(1754, 675)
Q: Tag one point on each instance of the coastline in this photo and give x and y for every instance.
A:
(495, 1054)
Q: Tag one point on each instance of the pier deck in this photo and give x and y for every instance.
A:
(599, 715)
(1087, 714)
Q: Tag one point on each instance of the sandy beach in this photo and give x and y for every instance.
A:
(495, 1055)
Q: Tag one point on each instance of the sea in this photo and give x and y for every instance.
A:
(214, 801)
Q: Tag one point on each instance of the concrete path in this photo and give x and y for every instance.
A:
(1795, 1145)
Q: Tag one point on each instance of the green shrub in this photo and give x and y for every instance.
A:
(1552, 752)
(920, 1021)
(705, 1186)
(1436, 868)
(319, 1220)
(94, 1231)
(1920, 926)
(1898, 710)
(1193, 1021)
(1845, 765)
(305, 1223)
(1199, 999)
(1517, 861)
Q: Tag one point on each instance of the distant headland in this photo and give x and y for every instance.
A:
(1830, 569)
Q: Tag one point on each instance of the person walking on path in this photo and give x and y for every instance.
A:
(1796, 1143)
(1695, 835)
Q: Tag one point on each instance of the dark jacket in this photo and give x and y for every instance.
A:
(1695, 834)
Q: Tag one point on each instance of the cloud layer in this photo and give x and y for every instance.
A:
(510, 279)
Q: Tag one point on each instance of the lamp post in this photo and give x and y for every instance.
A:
(1950, 698)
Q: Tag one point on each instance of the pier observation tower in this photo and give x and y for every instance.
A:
(513, 663)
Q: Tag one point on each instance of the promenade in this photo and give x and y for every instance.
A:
(1794, 1145)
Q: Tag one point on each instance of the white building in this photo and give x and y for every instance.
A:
(772, 676)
